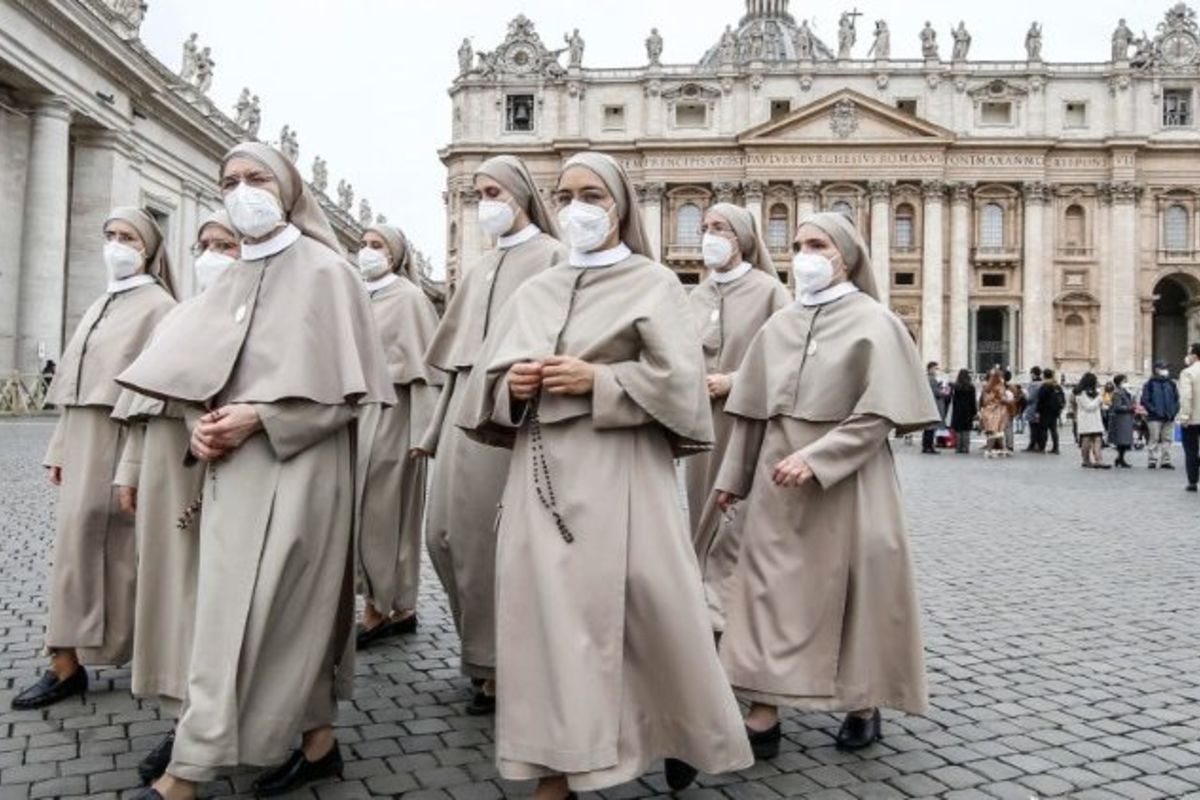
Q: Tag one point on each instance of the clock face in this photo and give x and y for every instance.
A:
(1179, 48)
(520, 58)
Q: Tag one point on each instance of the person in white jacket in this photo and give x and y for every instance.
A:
(1189, 415)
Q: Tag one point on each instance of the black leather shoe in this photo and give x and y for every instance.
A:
(1191, 487)
(481, 704)
(1167, 466)
(765, 744)
(298, 771)
(384, 630)
(156, 762)
(859, 732)
(680, 774)
(50, 690)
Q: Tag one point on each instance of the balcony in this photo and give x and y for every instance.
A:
(1003, 256)
(684, 252)
(1075, 253)
(1177, 255)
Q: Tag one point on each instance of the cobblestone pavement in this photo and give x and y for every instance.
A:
(1062, 621)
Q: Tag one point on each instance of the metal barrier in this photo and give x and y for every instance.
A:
(23, 394)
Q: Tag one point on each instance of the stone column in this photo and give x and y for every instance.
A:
(183, 273)
(1102, 229)
(650, 195)
(960, 275)
(754, 191)
(932, 292)
(575, 91)
(1033, 299)
(14, 146)
(1123, 276)
(725, 191)
(473, 244)
(44, 239)
(881, 237)
(806, 198)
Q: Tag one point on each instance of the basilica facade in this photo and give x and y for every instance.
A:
(1019, 213)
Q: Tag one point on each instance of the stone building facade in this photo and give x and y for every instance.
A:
(1019, 212)
(90, 119)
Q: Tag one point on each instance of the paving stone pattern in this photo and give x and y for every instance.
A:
(1061, 618)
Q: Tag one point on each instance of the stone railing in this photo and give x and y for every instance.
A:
(23, 393)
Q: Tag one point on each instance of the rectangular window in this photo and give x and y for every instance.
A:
(518, 113)
(907, 106)
(779, 233)
(993, 280)
(780, 109)
(614, 118)
(995, 113)
(691, 115)
(1075, 114)
(905, 233)
(904, 279)
(1177, 108)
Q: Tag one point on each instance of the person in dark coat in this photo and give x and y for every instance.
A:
(937, 389)
(1050, 404)
(1120, 421)
(1037, 433)
(964, 406)
(1160, 399)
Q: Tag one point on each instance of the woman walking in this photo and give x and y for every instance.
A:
(994, 414)
(963, 408)
(1120, 421)
(1089, 421)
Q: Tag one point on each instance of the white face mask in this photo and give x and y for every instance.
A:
(372, 263)
(254, 212)
(1162, 373)
(812, 272)
(586, 226)
(208, 266)
(716, 249)
(496, 217)
(122, 260)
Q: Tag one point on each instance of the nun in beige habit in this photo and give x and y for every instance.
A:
(822, 611)
(728, 308)
(155, 484)
(392, 484)
(94, 575)
(271, 362)
(595, 380)
(468, 477)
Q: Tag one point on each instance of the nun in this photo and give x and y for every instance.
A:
(595, 380)
(468, 477)
(822, 611)
(155, 485)
(271, 364)
(391, 483)
(93, 580)
(740, 294)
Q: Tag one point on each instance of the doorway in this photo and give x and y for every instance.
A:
(992, 345)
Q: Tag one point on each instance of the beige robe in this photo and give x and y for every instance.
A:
(94, 577)
(726, 316)
(468, 477)
(153, 462)
(605, 660)
(292, 334)
(822, 612)
(392, 485)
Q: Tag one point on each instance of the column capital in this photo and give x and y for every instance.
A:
(961, 191)
(53, 106)
(881, 191)
(1121, 192)
(725, 190)
(651, 192)
(933, 190)
(1034, 192)
(754, 189)
(806, 190)
(470, 196)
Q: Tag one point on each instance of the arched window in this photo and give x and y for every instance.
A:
(1074, 335)
(843, 207)
(778, 232)
(906, 238)
(991, 227)
(1176, 236)
(1073, 229)
(687, 225)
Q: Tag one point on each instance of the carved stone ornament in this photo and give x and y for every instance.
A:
(881, 80)
(725, 191)
(654, 88)
(933, 189)
(650, 192)
(1034, 192)
(691, 91)
(756, 81)
(961, 191)
(1178, 43)
(806, 190)
(933, 79)
(999, 89)
(522, 53)
(753, 189)
(806, 82)
(844, 119)
(879, 190)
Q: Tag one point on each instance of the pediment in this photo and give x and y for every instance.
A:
(846, 116)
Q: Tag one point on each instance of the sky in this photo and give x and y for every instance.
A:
(364, 82)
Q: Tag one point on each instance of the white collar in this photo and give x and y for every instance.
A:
(828, 295)
(132, 282)
(731, 275)
(600, 258)
(276, 244)
(520, 237)
(381, 283)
